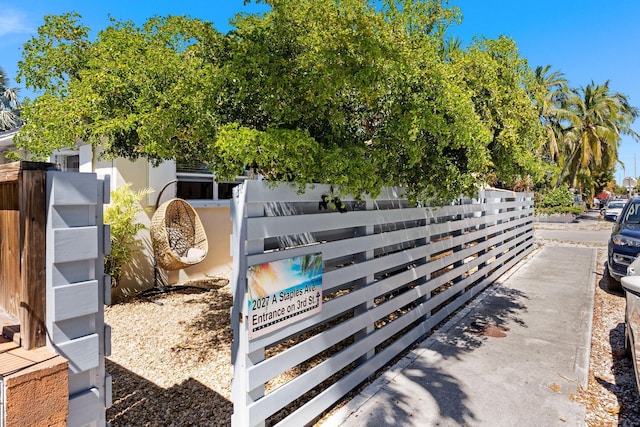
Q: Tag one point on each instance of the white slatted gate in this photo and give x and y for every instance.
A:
(76, 290)
(391, 273)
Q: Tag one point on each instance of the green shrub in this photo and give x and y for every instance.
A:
(575, 210)
(121, 216)
(560, 196)
(556, 201)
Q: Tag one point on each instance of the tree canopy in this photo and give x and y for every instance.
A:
(353, 93)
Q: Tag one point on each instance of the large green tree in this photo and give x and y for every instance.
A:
(357, 94)
(504, 94)
(9, 104)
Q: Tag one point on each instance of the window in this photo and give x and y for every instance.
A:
(68, 161)
(196, 183)
(225, 189)
(195, 186)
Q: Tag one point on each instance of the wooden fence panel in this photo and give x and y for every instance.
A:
(10, 260)
(33, 243)
(22, 248)
(391, 273)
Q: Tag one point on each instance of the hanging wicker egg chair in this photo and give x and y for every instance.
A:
(177, 235)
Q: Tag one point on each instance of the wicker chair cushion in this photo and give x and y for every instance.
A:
(177, 242)
(193, 255)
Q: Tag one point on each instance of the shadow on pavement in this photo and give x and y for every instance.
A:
(452, 401)
(490, 317)
(488, 320)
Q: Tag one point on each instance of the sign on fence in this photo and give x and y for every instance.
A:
(282, 292)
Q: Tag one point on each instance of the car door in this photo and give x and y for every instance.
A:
(631, 285)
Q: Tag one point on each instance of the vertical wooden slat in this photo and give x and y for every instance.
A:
(9, 260)
(33, 238)
(9, 248)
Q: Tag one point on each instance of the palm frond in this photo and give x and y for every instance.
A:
(8, 120)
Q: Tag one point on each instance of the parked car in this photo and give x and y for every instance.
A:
(624, 244)
(631, 285)
(613, 209)
(603, 205)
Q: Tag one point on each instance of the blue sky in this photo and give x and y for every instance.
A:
(586, 40)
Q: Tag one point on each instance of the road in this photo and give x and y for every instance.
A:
(587, 229)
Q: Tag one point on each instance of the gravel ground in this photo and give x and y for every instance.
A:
(611, 398)
(171, 363)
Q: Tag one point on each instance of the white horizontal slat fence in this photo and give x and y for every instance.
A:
(391, 273)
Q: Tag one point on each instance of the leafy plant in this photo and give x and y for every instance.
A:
(557, 201)
(575, 210)
(121, 216)
(560, 196)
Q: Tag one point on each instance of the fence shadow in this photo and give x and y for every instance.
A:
(396, 404)
(500, 306)
(187, 403)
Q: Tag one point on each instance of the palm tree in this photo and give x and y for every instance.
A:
(9, 104)
(598, 120)
(552, 109)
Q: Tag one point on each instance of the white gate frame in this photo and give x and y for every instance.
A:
(77, 289)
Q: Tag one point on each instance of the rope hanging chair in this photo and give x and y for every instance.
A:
(177, 235)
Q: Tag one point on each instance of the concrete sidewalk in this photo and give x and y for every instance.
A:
(513, 357)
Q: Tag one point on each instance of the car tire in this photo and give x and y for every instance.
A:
(611, 283)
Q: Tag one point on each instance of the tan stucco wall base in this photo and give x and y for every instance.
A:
(38, 395)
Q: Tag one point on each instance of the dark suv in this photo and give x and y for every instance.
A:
(624, 244)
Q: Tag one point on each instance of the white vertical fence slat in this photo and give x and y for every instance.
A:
(75, 289)
(391, 273)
